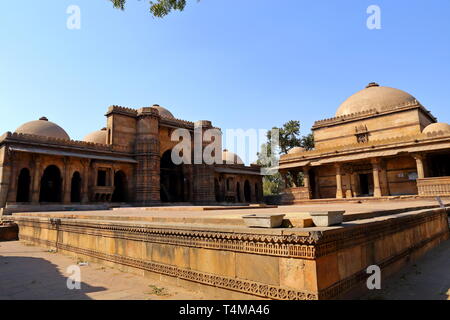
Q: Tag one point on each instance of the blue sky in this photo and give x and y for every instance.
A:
(242, 64)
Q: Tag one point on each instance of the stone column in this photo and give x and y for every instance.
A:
(85, 179)
(241, 190)
(36, 187)
(339, 194)
(284, 180)
(420, 166)
(5, 177)
(12, 190)
(376, 178)
(306, 182)
(147, 156)
(67, 182)
(354, 184)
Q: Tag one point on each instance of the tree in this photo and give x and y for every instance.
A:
(289, 137)
(158, 8)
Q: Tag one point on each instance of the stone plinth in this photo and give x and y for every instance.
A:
(238, 262)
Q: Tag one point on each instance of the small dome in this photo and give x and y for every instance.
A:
(296, 150)
(436, 127)
(43, 127)
(231, 158)
(99, 136)
(163, 112)
(374, 97)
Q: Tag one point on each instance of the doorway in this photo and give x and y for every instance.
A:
(172, 179)
(51, 185)
(23, 186)
(75, 190)
(364, 184)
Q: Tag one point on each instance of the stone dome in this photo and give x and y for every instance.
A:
(296, 150)
(163, 112)
(436, 127)
(229, 157)
(374, 97)
(99, 136)
(43, 127)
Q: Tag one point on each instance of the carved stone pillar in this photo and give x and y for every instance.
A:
(306, 181)
(36, 188)
(241, 191)
(376, 178)
(354, 183)
(420, 166)
(85, 189)
(339, 194)
(348, 186)
(6, 165)
(12, 190)
(67, 183)
(284, 180)
(147, 156)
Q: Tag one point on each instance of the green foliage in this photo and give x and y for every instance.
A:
(158, 8)
(289, 137)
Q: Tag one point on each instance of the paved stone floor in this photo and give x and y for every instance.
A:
(198, 215)
(31, 272)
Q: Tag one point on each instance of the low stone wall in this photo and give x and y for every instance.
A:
(9, 232)
(240, 263)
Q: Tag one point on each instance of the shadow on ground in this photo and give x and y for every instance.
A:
(425, 279)
(27, 278)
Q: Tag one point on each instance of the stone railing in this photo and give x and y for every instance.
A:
(439, 186)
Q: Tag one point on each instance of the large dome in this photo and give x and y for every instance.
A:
(437, 127)
(97, 137)
(374, 97)
(231, 158)
(43, 127)
(163, 112)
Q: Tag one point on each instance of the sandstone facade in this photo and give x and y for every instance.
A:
(127, 162)
(382, 142)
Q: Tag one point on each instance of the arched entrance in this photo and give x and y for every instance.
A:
(120, 187)
(23, 186)
(247, 191)
(75, 189)
(171, 180)
(51, 185)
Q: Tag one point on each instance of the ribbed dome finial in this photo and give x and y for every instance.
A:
(43, 118)
(372, 84)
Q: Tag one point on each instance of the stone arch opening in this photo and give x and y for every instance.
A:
(75, 187)
(51, 183)
(120, 187)
(171, 179)
(23, 186)
(247, 191)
